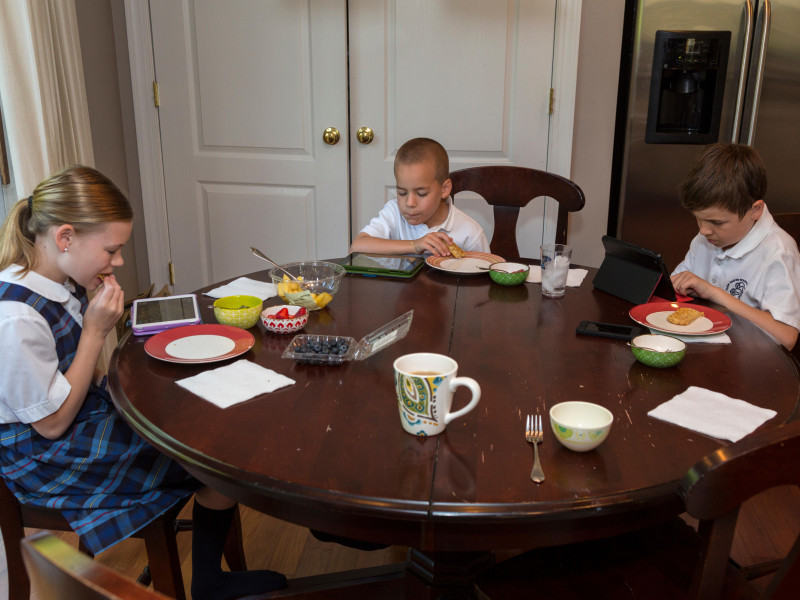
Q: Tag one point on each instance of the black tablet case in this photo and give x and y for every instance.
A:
(633, 273)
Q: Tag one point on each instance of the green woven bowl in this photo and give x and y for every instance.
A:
(239, 311)
(658, 350)
(509, 273)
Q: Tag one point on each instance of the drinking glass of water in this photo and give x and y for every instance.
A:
(555, 267)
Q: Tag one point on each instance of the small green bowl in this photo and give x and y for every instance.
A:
(239, 311)
(658, 350)
(508, 273)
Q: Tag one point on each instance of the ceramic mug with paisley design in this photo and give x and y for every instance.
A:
(425, 384)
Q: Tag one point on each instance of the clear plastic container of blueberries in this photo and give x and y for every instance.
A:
(317, 349)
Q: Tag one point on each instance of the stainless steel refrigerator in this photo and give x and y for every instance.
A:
(694, 72)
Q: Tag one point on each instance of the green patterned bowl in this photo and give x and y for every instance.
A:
(658, 350)
(580, 426)
(508, 273)
(239, 311)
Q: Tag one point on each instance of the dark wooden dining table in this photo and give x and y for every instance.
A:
(329, 452)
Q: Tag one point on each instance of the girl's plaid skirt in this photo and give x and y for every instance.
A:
(105, 479)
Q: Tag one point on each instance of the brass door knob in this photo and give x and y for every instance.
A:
(331, 136)
(365, 135)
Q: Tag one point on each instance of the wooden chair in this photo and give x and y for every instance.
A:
(670, 560)
(508, 189)
(58, 570)
(164, 565)
(790, 223)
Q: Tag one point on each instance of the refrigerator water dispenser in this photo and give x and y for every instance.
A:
(686, 89)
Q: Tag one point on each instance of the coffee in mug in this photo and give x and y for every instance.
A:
(425, 383)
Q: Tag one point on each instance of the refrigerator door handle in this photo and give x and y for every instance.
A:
(766, 22)
(748, 42)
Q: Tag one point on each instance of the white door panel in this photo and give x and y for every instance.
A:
(247, 88)
(241, 127)
(240, 216)
(474, 75)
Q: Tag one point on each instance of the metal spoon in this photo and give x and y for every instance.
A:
(666, 351)
(263, 256)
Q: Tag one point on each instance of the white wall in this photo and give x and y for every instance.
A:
(110, 115)
(593, 135)
(598, 71)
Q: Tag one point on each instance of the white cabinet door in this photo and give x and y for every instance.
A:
(246, 90)
(472, 74)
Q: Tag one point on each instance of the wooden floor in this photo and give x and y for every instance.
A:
(767, 528)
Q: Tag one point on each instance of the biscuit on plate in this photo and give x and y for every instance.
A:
(455, 251)
(684, 316)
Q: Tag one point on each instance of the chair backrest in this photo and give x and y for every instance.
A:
(58, 570)
(508, 189)
(716, 487)
(790, 223)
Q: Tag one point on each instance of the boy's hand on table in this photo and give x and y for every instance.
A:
(435, 242)
(689, 284)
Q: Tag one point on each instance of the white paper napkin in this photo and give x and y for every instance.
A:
(574, 277)
(714, 338)
(713, 414)
(244, 286)
(234, 383)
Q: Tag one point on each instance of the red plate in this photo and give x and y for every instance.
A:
(654, 314)
(195, 344)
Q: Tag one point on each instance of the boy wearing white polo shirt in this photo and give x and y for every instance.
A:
(423, 218)
(741, 259)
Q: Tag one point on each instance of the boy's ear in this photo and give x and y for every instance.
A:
(758, 209)
(446, 187)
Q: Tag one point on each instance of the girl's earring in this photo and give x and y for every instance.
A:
(66, 248)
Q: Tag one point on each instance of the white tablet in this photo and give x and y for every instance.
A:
(153, 315)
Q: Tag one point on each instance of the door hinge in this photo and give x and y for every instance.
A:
(156, 99)
(171, 273)
(552, 101)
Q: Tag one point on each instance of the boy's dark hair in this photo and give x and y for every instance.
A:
(728, 176)
(419, 150)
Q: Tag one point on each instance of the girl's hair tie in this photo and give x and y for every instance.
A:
(30, 203)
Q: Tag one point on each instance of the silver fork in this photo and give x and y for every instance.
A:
(534, 434)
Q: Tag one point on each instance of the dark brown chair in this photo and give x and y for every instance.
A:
(790, 223)
(670, 560)
(164, 565)
(57, 570)
(508, 189)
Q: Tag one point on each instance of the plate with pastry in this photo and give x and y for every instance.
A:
(678, 317)
(469, 263)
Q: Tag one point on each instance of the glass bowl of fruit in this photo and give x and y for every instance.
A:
(284, 318)
(311, 284)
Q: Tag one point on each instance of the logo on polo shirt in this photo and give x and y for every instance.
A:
(736, 287)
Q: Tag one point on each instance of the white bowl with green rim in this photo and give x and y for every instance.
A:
(580, 426)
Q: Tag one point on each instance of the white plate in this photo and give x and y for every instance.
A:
(469, 265)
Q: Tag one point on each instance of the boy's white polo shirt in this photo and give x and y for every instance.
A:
(762, 269)
(465, 231)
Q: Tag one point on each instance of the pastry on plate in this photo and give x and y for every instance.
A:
(684, 316)
(455, 250)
